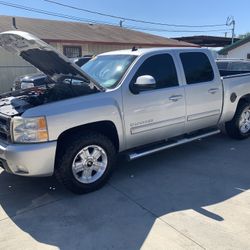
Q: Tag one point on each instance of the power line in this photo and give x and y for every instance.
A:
(166, 30)
(75, 18)
(135, 20)
(49, 13)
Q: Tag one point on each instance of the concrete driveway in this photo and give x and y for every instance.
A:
(196, 196)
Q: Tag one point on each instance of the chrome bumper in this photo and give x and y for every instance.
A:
(28, 159)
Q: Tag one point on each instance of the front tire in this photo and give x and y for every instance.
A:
(86, 162)
(239, 126)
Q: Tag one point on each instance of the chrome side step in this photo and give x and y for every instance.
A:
(135, 155)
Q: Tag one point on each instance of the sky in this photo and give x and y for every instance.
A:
(191, 12)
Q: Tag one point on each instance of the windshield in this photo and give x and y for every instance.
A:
(108, 70)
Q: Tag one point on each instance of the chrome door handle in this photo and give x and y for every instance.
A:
(213, 91)
(175, 98)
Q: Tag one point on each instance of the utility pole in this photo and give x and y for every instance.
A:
(233, 30)
(231, 22)
(121, 23)
(14, 23)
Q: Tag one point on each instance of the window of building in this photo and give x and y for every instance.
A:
(72, 51)
(162, 68)
(197, 67)
(248, 56)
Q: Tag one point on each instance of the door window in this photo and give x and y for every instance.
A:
(162, 68)
(197, 67)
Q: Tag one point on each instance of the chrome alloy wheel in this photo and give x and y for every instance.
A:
(89, 164)
(244, 123)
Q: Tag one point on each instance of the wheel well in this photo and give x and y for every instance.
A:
(245, 98)
(106, 128)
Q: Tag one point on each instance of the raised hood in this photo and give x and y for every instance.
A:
(42, 56)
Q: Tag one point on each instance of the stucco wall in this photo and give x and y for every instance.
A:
(12, 66)
(91, 48)
(239, 52)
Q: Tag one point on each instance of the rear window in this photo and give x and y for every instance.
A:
(197, 67)
(239, 66)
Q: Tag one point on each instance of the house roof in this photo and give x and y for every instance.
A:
(237, 44)
(78, 32)
(207, 41)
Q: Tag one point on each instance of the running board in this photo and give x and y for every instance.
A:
(169, 144)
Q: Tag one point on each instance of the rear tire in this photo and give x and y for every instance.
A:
(239, 126)
(86, 162)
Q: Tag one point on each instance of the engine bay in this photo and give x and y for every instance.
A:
(16, 102)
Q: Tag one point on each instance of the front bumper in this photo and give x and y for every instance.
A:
(28, 159)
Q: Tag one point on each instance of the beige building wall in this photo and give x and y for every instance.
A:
(12, 66)
(92, 48)
(96, 49)
(241, 52)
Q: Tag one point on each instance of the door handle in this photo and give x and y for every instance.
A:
(175, 98)
(213, 90)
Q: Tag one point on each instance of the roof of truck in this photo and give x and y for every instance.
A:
(141, 51)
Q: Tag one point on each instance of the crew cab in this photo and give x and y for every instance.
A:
(135, 102)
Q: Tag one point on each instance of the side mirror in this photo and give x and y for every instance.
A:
(144, 82)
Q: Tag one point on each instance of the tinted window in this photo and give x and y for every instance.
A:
(197, 67)
(239, 66)
(222, 65)
(162, 68)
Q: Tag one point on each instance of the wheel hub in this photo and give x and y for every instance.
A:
(89, 164)
(244, 123)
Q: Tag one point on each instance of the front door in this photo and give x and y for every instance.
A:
(158, 113)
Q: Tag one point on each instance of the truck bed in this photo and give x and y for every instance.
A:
(235, 87)
(232, 72)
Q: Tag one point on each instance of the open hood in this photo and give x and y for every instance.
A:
(42, 56)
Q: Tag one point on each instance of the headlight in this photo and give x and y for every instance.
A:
(29, 130)
(27, 85)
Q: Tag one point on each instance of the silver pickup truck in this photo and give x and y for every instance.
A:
(135, 102)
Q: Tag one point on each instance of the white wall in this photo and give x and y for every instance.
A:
(12, 66)
(239, 52)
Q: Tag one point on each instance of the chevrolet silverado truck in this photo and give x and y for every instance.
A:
(134, 102)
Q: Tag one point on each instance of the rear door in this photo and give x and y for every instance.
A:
(203, 89)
